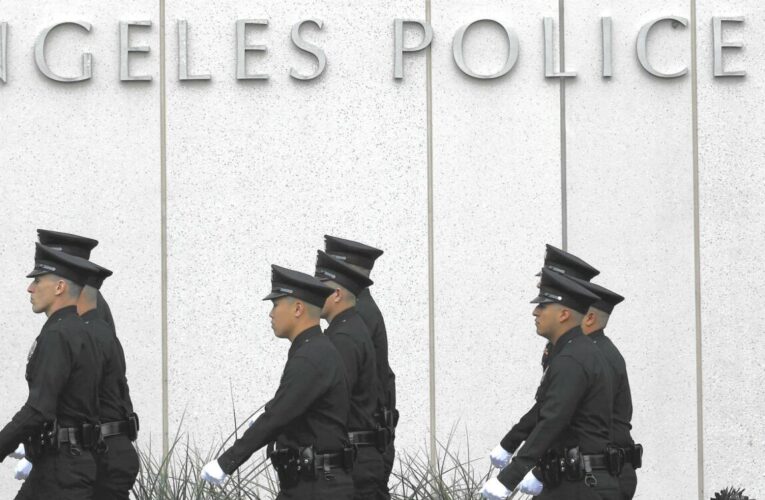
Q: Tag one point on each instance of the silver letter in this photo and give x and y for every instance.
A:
(642, 47)
(719, 45)
(549, 63)
(399, 49)
(608, 53)
(459, 57)
(42, 64)
(126, 49)
(3, 52)
(310, 48)
(183, 54)
(242, 48)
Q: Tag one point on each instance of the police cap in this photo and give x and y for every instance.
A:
(330, 269)
(351, 252)
(51, 261)
(556, 288)
(286, 282)
(569, 264)
(67, 243)
(608, 299)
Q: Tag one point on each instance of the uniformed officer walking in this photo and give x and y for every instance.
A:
(362, 258)
(118, 463)
(58, 424)
(570, 265)
(351, 337)
(305, 422)
(575, 407)
(593, 325)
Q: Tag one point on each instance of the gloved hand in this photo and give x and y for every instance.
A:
(19, 452)
(251, 422)
(23, 468)
(500, 457)
(212, 473)
(530, 484)
(494, 490)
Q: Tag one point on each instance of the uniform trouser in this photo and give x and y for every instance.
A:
(628, 482)
(337, 486)
(607, 488)
(368, 474)
(388, 458)
(62, 475)
(117, 469)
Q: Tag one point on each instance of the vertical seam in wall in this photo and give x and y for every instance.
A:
(697, 255)
(431, 274)
(563, 178)
(163, 189)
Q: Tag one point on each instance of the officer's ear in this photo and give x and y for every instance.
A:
(298, 309)
(564, 314)
(589, 319)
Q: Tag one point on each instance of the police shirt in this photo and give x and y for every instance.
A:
(525, 425)
(622, 396)
(114, 395)
(310, 406)
(351, 338)
(63, 372)
(373, 318)
(575, 403)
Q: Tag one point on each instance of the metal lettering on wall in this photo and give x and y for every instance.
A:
(249, 28)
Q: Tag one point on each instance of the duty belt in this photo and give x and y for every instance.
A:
(380, 438)
(292, 465)
(115, 428)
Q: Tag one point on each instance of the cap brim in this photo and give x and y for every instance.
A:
(37, 272)
(275, 295)
(541, 300)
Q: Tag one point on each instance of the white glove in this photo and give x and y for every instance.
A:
(531, 485)
(19, 452)
(500, 457)
(23, 468)
(494, 490)
(212, 473)
(251, 422)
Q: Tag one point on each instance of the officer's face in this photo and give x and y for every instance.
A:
(42, 292)
(282, 317)
(544, 316)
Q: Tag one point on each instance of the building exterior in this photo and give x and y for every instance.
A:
(195, 186)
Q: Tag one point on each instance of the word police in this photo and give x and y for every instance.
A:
(243, 72)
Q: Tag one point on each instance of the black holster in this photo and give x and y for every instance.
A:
(575, 469)
(285, 462)
(635, 455)
(614, 457)
(552, 465)
(134, 426)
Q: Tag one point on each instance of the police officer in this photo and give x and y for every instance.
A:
(58, 423)
(362, 258)
(305, 422)
(570, 265)
(79, 246)
(575, 404)
(351, 337)
(118, 463)
(593, 325)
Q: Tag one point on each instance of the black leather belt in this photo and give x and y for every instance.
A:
(71, 435)
(110, 429)
(328, 460)
(597, 462)
(363, 438)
